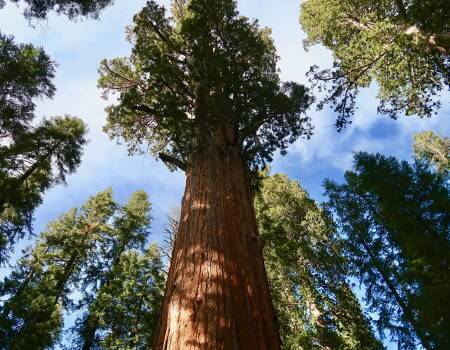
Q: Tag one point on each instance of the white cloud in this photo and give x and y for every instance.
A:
(78, 48)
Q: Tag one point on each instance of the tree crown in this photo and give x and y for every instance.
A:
(26, 73)
(202, 75)
(403, 46)
(71, 8)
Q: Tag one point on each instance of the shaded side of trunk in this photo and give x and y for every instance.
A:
(217, 294)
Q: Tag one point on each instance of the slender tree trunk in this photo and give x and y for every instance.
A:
(91, 325)
(217, 295)
(92, 322)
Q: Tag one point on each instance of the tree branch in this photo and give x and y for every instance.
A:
(165, 39)
(166, 158)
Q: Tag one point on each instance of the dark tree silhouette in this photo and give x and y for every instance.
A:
(33, 158)
(39, 9)
(395, 217)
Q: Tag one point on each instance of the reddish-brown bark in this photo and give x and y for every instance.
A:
(217, 295)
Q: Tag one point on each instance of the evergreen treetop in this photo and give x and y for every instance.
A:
(395, 219)
(26, 73)
(88, 251)
(33, 156)
(203, 72)
(40, 287)
(124, 312)
(37, 159)
(307, 272)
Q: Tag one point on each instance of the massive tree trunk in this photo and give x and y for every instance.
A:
(217, 295)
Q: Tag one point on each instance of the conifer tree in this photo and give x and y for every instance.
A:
(32, 158)
(434, 149)
(307, 272)
(402, 45)
(201, 89)
(38, 9)
(125, 310)
(39, 288)
(129, 230)
(395, 218)
(91, 251)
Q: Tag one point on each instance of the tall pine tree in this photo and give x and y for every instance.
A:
(125, 310)
(40, 287)
(307, 272)
(201, 88)
(32, 158)
(128, 230)
(90, 252)
(395, 217)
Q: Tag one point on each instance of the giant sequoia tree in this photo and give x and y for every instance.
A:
(201, 89)
(395, 217)
(402, 45)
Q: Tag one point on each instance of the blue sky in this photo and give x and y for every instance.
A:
(77, 48)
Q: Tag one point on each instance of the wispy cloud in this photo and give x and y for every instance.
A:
(78, 49)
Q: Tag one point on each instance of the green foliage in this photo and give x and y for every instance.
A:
(78, 252)
(32, 158)
(434, 149)
(26, 73)
(395, 217)
(402, 45)
(37, 160)
(315, 306)
(206, 71)
(71, 8)
(39, 287)
(124, 313)
(122, 291)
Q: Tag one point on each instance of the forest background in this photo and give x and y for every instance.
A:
(78, 48)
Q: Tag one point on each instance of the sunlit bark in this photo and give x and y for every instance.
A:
(217, 294)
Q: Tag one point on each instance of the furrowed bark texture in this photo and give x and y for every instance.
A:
(217, 295)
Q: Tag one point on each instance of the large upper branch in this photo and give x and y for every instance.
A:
(436, 41)
(166, 158)
(162, 36)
